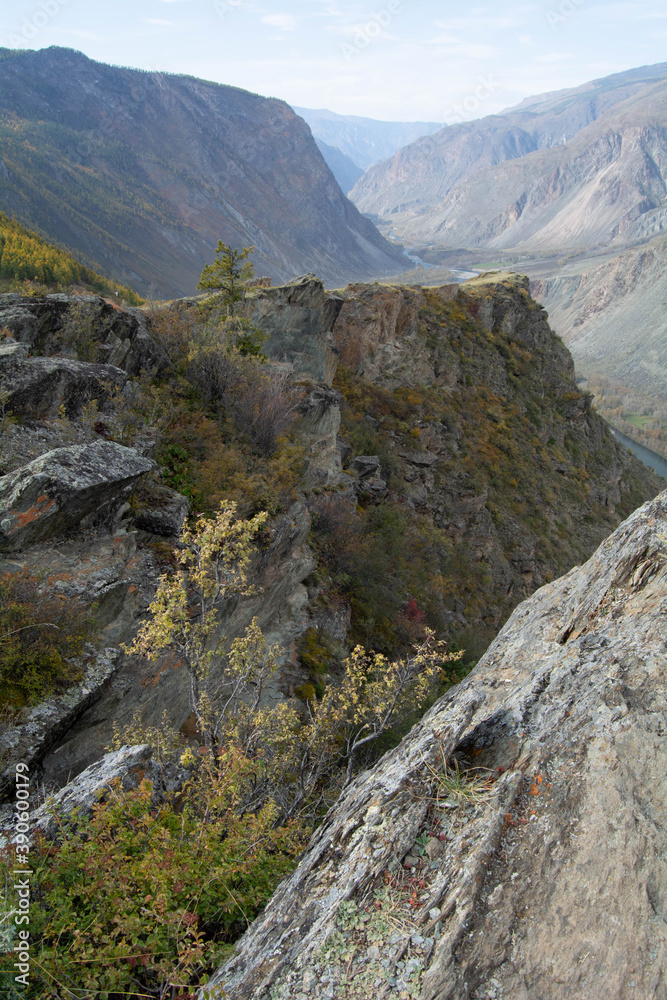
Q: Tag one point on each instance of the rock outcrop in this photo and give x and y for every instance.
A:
(299, 319)
(159, 509)
(29, 738)
(44, 388)
(57, 324)
(476, 422)
(535, 794)
(54, 493)
(320, 420)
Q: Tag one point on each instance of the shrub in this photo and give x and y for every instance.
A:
(40, 635)
(141, 899)
(215, 557)
(83, 331)
(225, 367)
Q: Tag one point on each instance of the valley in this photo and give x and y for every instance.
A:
(570, 189)
(332, 647)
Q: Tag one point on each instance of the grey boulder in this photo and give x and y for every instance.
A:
(55, 492)
(159, 509)
(42, 388)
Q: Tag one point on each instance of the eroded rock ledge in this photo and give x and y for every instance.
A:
(553, 883)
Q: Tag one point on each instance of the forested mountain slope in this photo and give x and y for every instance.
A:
(140, 174)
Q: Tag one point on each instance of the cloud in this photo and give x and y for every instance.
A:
(286, 22)
(482, 18)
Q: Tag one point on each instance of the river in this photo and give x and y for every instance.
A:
(459, 275)
(645, 455)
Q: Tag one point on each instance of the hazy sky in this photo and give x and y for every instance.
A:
(392, 59)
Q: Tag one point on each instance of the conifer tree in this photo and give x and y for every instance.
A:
(228, 273)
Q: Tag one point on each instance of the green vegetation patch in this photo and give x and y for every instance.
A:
(41, 634)
(29, 264)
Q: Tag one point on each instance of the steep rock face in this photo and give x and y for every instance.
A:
(320, 415)
(378, 333)
(154, 169)
(502, 453)
(549, 878)
(299, 318)
(28, 739)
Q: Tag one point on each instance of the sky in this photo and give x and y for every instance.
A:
(396, 60)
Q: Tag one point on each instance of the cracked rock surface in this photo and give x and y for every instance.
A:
(529, 806)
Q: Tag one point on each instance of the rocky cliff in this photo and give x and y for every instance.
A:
(140, 174)
(451, 468)
(513, 845)
(470, 402)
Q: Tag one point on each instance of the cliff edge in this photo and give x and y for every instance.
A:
(514, 844)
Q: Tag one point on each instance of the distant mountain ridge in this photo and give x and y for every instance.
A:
(363, 140)
(140, 174)
(554, 171)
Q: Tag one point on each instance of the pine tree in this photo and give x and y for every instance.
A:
(229, 272)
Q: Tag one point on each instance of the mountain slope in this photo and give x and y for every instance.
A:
(26, 257)
(142, 173)
(364, 140)
(341, 166)
(575, 168)
(595, 308)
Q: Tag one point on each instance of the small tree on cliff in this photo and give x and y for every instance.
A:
(299, 755)
(228, 273)
(215, 557)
